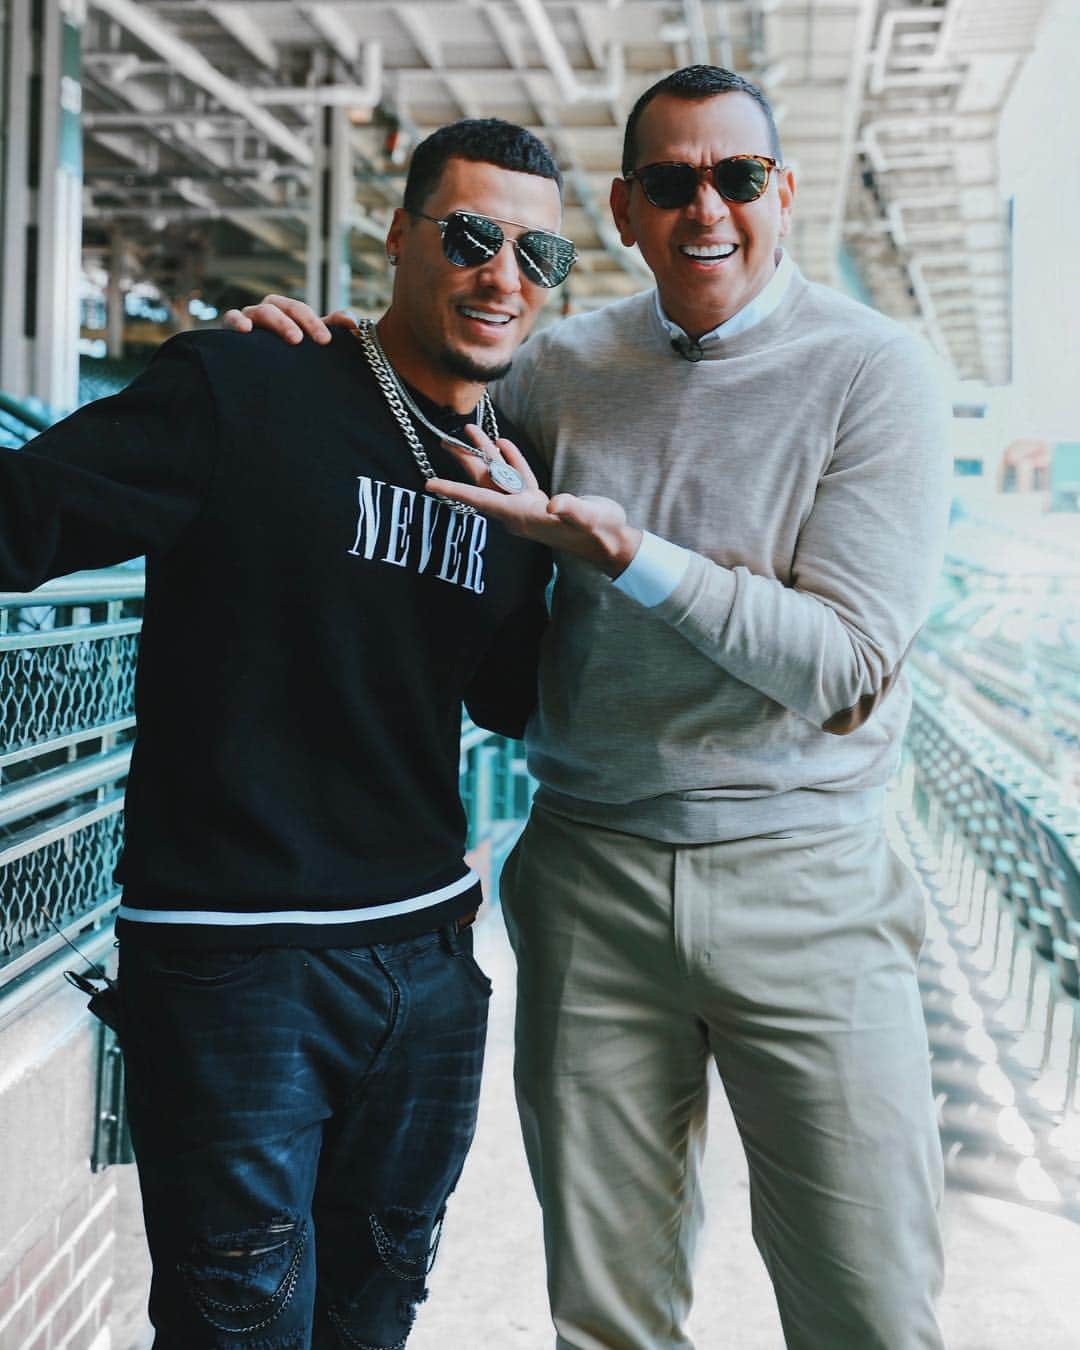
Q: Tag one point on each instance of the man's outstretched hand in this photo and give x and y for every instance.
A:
(592, 528)
(289, 319)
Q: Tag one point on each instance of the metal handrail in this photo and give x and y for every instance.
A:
(81, 588)
(30, 417)
(65, 637)
(55, 786)
(63, 827)
(102, 731)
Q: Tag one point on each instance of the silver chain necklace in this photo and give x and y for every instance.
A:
(404, 409)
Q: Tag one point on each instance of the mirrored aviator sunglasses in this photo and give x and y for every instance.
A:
(469, 240)
(672, 185)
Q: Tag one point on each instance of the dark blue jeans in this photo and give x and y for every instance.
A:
(299, 1119)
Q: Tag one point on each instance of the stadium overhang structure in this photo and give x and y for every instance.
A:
(207, 124)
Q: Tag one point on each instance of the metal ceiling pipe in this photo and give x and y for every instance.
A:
(930, 155)
(933, 73)
(365, 95)
(571, 90)
(917, 130)
(195, 67)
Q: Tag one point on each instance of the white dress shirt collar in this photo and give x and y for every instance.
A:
(751, 313)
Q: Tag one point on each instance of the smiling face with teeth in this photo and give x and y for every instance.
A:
(450, 330)
(712, 257)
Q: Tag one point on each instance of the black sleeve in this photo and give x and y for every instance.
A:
(121, 477)
(502, 693)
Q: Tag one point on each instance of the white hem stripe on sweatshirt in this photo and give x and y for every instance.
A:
(225, 919)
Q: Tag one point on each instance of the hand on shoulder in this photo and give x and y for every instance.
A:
(290, 320)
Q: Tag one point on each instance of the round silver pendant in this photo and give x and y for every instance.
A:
(505, 477)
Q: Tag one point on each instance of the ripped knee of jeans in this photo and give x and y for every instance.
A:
(242, 1282)
(380, 1317)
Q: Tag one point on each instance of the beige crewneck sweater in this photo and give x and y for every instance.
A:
(805, 463)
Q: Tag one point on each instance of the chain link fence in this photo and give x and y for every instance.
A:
(67, 684)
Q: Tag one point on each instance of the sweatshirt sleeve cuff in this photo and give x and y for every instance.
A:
(655, 570)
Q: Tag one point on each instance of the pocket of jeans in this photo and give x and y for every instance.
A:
(470, 964)
(204, 968)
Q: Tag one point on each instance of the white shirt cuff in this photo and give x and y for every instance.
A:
(655, 570)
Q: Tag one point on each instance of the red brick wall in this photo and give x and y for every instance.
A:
(58, 1296)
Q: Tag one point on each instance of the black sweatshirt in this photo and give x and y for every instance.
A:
(313, 621)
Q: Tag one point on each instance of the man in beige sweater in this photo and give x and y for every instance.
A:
(750, 479)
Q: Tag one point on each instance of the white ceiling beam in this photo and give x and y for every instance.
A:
(595, 30)
(570, 87)
(193, 66)
(241, 26)
(462, 90)
(336, 29)
(421, 36)
(507, 34)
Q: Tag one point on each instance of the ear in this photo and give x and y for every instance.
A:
(620, 210)
(785, 183)
(395, 235)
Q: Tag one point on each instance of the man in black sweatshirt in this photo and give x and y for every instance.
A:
(304, 1021)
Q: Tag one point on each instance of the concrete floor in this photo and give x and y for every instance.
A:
(1013, 1266)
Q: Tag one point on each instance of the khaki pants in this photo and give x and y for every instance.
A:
(791, 962)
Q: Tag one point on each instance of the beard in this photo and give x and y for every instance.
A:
(465, 368)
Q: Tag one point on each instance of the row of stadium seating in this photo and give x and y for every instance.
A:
(1012, 861)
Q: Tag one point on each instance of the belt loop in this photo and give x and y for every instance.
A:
(449, 934)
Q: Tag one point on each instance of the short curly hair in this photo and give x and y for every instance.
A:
(696, 82)
(485, 140)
